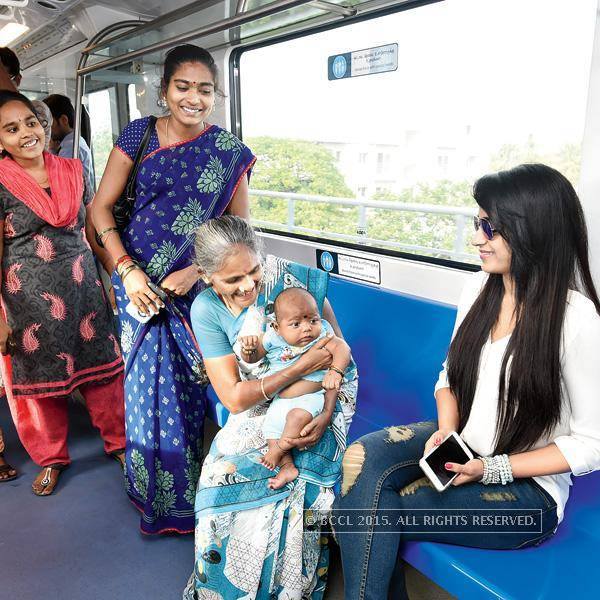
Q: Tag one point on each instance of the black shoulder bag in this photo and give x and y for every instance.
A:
(124, 205)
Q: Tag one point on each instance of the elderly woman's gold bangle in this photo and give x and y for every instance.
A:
(335, 369)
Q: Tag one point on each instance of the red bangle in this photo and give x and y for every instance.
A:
(122, 260)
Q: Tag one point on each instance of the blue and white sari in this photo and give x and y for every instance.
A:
(178, 187)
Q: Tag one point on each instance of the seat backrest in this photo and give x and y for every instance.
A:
(399, 343)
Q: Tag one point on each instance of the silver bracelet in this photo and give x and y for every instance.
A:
(491, 474)
(496, 469)
(506, 475)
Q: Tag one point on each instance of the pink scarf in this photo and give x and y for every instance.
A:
(65, 176)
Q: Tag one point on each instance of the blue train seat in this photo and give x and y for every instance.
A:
(399, 342)
(399, 347)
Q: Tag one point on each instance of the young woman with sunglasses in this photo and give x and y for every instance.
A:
(519, 385)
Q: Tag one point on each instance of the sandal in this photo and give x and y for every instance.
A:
(46, 481)
(6, 468)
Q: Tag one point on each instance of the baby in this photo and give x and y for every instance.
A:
(297, 328)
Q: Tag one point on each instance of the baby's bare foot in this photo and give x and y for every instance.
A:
(273, 457)
(287, 473)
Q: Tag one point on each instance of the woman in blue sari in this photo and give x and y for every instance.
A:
(191, 171)
(253, 541)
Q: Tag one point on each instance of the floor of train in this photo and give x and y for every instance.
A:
(84, 540)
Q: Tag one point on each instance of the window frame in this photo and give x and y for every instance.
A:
(235, 114)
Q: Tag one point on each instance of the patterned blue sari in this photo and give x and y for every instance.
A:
(253, 542)
(178, 188)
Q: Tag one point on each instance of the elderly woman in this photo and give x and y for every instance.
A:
(251, 541)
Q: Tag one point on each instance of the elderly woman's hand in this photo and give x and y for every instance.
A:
(312, 433)
(317, 358)
(181, 282)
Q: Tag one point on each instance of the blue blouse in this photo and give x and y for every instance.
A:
(131, 137)
(215, 328)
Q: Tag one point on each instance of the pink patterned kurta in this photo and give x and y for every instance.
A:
(54, 303)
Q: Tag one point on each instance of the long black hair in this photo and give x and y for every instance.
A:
(538, 213)
(7, 96)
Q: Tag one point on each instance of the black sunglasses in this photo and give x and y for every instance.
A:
(486, 227)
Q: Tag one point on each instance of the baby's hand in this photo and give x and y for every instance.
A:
(249, 344)
(332, 380)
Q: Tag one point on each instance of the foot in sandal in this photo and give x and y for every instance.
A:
(7, 473)
(46, 481)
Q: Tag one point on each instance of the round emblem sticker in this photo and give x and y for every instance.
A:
(339, 67)
(327, 261)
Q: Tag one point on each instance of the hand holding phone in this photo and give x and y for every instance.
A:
(452, 449)
(132, 310)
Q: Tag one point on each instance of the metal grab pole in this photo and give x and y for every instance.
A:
(96, 43)
(79, 79)
(291, 217)
(237, 20)
(78, 105)
(459, 241)
(338, 9)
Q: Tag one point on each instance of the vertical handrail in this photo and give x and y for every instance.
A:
(362, 227)
(79, 79)
(291, 216)
(459, 240)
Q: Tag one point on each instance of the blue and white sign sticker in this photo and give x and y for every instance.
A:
(354, 267)
(363, 62)
(326, 261)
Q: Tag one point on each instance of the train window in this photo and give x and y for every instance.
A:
(101, 105)
(388, 160)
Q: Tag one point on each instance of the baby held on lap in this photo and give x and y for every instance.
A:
(297, 327)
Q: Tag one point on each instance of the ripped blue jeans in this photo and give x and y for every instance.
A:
(386, 500)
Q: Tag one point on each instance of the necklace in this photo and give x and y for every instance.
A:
(202, 126)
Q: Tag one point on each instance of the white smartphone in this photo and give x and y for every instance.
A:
(452, 449)
(132, 310)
